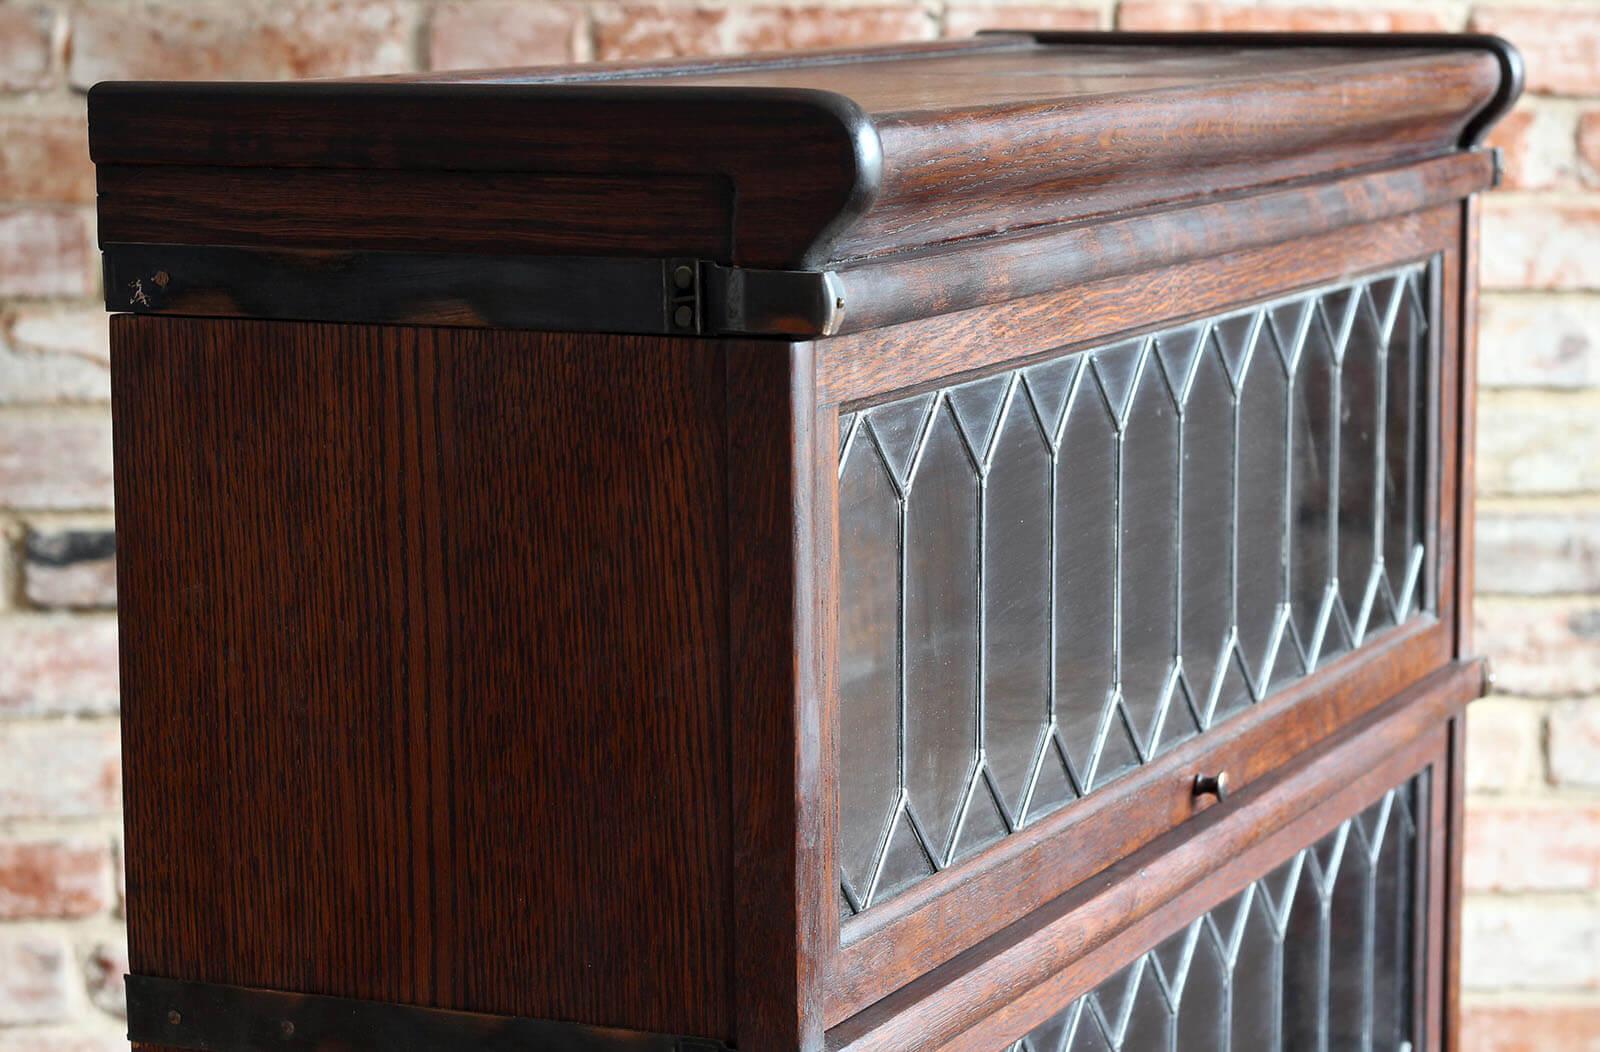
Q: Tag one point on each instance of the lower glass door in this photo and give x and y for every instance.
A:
(1321, 955)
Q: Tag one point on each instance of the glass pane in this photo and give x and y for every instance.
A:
(1361, 385)
(869, 663)
(1149, 558)
(1207, 523)
(941, 638)
(1311, 480)
(1050, 575)
(1302, 960)
(1016, 601)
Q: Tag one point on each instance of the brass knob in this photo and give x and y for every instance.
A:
(1212, 785)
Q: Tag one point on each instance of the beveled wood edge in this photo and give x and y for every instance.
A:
(1036, 967)
(867, 367)
(1512, 68)
(891, 289)
(464, 289)
(838, 178)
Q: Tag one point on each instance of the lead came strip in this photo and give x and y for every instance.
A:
(1052, 575)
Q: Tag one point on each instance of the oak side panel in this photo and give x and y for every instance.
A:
(424, 666)
(782, 898)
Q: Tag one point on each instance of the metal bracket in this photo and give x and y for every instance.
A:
(216, 1018)
(670, 297)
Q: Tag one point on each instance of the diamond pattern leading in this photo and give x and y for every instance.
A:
(1318, 956)
(1051, 575)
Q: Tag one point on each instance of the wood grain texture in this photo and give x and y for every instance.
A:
(780, 895)
(899, 359)
(425, 667)
(1029, 972)
(882, 292)
(343, 210)
(830, 158)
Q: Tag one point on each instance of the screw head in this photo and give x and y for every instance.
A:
(683, 277)
(174, 1017)
(286, 1028)
(683, 317)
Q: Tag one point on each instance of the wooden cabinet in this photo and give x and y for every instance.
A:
(963, 546)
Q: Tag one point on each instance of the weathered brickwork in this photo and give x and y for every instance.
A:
(1532, 960)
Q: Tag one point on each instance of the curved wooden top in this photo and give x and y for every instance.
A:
(783, 162)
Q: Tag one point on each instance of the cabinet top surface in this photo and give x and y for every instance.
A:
(970, 77)
(784, 162)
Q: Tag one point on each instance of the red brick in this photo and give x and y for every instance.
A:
(963, 20)
(1589, 146)
(54, 878)
(60, 769)
(1178, 15)
(1549, 1027)
(1539, 147)
(1575, 744)
(1559, 44)
(36, 977)
(60, 462)
(1538, 553)
(789, 28)
(1503, 741)
(1542, 648)
(247, 41)
(58, 665)
(78, 1039)
(104, 971)
(44, 156)
(1529, 243)
(27, 44)
(50, 355)
(1528, 340)
(1513, 943)
(1537, 445)
(490, 34)
(1532, 847)
(70, 569)
(45, 251)
(637, 31)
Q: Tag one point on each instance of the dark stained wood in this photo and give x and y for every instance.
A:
(624, 295)
(996, 270)
(425, 667)
(799, 163)
(1029, 972)
(871, 366)
(340, 209)
(830, 159)
(1467, 445)
(778, 765)
(495, 671)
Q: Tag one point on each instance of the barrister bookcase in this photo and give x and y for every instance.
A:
(959, 546)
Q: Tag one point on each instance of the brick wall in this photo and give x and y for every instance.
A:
(1533, 918)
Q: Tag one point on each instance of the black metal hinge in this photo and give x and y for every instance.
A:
(217, 1018)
